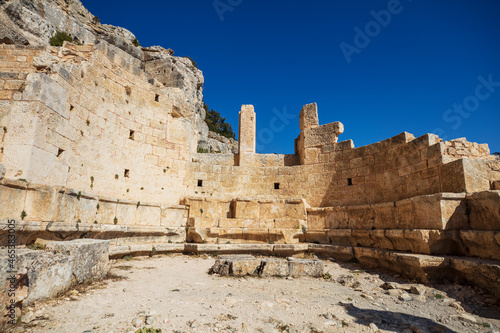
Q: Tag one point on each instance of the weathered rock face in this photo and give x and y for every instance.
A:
(35, 22)
(182, 80)
(220, 144)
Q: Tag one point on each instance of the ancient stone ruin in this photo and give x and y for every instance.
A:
(99, 141)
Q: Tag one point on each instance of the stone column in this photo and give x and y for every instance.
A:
(246, 136)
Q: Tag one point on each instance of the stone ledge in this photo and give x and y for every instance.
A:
(28, 231)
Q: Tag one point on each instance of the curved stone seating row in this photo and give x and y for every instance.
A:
(420, 267)
(26, 232)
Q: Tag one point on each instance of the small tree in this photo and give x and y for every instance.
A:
(59, 38)
(218, 124)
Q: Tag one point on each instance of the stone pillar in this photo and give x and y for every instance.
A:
(246, 136)
(308, 116)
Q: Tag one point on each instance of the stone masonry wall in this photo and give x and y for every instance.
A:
(394, 169)
(95, 125)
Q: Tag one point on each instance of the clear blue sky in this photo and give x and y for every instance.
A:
(279, 55)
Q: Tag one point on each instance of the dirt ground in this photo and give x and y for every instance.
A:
(174, 293)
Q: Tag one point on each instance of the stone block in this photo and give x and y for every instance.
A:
(147, 215)
(384, 216)
(362, 237)
(195, 207)
(316, 236)
(341, 253)
(289, 223)
(245, 209)
(273, 267)
(405, 214)
(236, 265)
(479, 272)
(341, 237)
(308, 116)
(272, 209)
(469, 175)
(254, 235)
(174, 216)
(440, 211)
(13, 198)
(337, 218)
(106, 212)
(243, 267)
(380, 241)
(41, 203)
(90, 257)
(41, 87)
(296, 209)
(200, 222)
(400, 243)
(316, 219)
(484, 210)
(481, 244)
(285, 236)
(361, 217)
(75, 206)
(305, 267)
(436, 242)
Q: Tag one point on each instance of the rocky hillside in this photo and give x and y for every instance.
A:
(34, 22)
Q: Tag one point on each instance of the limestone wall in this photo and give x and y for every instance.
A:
(397, 168)
(92, 124)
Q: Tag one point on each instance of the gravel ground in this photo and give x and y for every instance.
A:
(174, 293)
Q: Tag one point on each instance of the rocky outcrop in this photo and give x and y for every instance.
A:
(182, 80)
(220, 144)
(35, 22)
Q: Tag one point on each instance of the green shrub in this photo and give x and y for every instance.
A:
(59, 38)
(193, 62)
(218, 124)
(136, 42)
(200, 150)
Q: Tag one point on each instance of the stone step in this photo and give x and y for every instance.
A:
(471, 243)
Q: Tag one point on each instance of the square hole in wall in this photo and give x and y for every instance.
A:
(59, 152)
(157, 98)
(349, 181)
(131, 135)
(200, 182)
(126, 173)
(276, 186)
